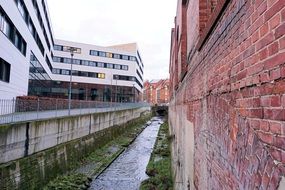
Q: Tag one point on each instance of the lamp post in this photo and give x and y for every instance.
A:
(134, 93)
(71, 50)
(116, 95)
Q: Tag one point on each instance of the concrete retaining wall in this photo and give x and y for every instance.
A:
(32, 153)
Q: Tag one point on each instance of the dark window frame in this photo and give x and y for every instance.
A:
(5, 71)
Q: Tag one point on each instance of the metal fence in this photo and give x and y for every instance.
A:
(18, 110)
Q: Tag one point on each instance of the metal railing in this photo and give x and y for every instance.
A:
(18, 110)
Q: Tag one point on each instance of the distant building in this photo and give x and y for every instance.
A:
(156, 91)
(32, 62)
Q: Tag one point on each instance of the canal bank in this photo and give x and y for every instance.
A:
(95, 163)
(128, 170)
(41, 150)
(159, 166)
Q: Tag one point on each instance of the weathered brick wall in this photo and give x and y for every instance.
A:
(234, 97)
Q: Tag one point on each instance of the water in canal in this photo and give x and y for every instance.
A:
(128, 170)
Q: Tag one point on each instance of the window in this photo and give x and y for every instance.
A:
(94, 52)
(117, 66)
(84, 62)
(7, 28)
(101, 75)
(31, 28)
(99, 64)
(48, 23)
(92, 75)
(125, 57)
(56, 71)
(57, 59)
(110, 55)
(48, 63)
(22, 9)
(109, 65)
(57, 47)
(1, 19)
(132, 58)
(65, 72)
(124, 67)
(83, 74)
(12, 33)
(67, 60)
(102, 54)
(92, 63)
(4, 71)
(76, 61)
(116, 77)
(116, 56)
(75, 73)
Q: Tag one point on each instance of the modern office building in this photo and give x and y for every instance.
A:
(32, 62)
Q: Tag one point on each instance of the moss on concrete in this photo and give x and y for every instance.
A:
(102, 157)
(36, 170)
(159, 166)
(4, 128)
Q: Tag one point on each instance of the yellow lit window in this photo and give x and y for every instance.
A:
(110, 55)
(101, 75)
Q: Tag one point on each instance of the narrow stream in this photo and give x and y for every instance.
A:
(128, 170)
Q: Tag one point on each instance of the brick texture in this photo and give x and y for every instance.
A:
(234, 93)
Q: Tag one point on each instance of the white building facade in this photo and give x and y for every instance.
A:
(33, 63)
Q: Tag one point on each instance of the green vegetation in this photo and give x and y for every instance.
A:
(69, 182)
(100, 159)
(159, 166)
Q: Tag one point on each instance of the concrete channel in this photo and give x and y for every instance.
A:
(128, 170)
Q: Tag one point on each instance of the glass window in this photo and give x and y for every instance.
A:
(56, 71)
(92, 63)
(110, 55)
(76, 61)
(24, 47)
(1, 20)
(75, 73)
(83, 74)
(110, 65)
(101, 75)
(7, 28)
(84, 62)
(22, 9)
(92, 75)
(94, 52)
(4, 71)
(116, 56)
(65, 72)
(117, 66)
(66, 60)
(102, 54)
(124, 67)
(132, 58)
(56, 59)
(32, 28)
(99, 64)
(57, 47)
(17, 40)
(125, 57)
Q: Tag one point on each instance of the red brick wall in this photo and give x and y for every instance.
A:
(234, 94)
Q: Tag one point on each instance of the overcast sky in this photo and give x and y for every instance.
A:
(111, 22)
